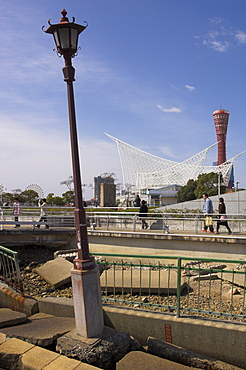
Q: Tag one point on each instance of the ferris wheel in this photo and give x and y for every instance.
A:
(36, 188)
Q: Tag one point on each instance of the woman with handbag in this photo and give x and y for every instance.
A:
(223, 218)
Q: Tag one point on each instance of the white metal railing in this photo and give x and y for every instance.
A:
(109, 220)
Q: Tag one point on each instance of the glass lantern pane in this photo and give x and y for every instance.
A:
(64, 37)
(56, 39)
(74, 37)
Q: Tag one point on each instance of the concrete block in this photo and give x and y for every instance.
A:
(186, 357)
(11, 350)
(131, 280)
(2, 338)
(9, 298)
(9, 317)
(57, 306)
(64, 363)
(216, 339)
(36, 358)
(143, 361)
(84, 366)
(56, 272)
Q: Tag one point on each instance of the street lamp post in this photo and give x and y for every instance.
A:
(85, 275)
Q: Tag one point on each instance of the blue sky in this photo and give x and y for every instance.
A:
(149, 72)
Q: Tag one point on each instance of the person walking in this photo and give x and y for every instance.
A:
(143, 214)
(207, 210)
(223, 217)
(137, 201)
(16, 211)
(43, 212)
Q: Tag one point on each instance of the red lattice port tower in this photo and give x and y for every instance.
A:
(221, 118)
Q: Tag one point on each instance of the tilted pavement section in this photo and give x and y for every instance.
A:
(39, 329)
(58, 271)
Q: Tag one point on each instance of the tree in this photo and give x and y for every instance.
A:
(49, 198)
(54, 200)
(68, 197)
(68, 183)
(58, 201)
(8, 197)
(187, 192)
(29, 196)
(208, 183)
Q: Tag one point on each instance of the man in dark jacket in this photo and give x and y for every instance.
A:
(143, 214)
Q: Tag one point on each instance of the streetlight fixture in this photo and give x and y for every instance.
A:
(85, 275)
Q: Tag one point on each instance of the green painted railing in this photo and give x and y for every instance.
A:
(210, 287)
(10, 270)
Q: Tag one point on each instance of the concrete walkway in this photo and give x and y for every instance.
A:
(22, 339)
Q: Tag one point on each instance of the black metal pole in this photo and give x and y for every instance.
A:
(84, 261)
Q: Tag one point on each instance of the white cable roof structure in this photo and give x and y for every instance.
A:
(147, 171)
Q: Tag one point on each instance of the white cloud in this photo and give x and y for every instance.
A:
(190, 88)
(222, 36)
(168, 151)
(241, 37)
(216, 45)
(169, 110)
(215, 20)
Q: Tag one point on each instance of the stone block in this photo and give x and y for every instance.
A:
(63, 362)
(11, 350)
(57, 306)
(36, 358)
(56, 272)
(2, 338)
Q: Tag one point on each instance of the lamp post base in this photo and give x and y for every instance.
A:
(87, 302)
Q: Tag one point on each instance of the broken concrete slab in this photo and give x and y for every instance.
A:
(205, 277)
(42, 332)
(56, 272)
(236, 278)
(132, 280)
(9, 317)
(144, 361)
(184, 356)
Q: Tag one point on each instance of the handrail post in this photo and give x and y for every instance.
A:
(196, 224)
(134, 222)
(178, 286)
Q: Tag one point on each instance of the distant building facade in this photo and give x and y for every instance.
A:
(104, 191)
(163, 196)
